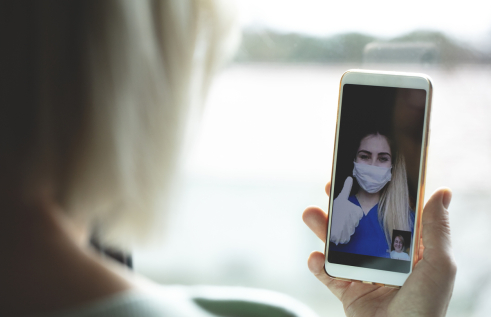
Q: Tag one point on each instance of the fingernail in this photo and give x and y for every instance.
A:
(447, 197)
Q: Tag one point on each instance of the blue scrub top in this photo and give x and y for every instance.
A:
(369, 236)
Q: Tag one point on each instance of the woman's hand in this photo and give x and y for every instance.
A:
(428, 289)
(346, 216)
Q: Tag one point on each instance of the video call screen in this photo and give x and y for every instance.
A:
(376, 177)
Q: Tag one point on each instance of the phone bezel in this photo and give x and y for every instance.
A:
(384, 79)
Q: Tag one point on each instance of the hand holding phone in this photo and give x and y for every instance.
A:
(428, 289)
(381, 141)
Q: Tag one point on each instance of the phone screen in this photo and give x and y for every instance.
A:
(376, 177)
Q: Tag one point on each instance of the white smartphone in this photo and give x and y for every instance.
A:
(378, 176)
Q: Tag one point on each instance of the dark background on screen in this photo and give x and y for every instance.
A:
(395, 111)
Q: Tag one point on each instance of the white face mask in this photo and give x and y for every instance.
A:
(371, 178)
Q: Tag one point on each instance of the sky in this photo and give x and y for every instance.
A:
(468, 20)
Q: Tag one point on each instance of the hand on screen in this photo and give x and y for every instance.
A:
(346, 215)
(428, 289)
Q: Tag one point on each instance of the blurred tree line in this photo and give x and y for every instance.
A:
(429, 47)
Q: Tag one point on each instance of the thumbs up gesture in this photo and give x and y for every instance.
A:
(345, 215)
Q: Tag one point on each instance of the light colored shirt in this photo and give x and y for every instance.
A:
(196, 301)
(399, 256)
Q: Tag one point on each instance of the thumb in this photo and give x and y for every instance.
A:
(436, 224)
(348, 183)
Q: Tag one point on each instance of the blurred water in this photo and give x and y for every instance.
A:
(264, 153)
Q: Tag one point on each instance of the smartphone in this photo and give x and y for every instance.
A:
(378, 176)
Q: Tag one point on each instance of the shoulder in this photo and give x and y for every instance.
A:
(157, 302)
(196, 301)
(399, 256)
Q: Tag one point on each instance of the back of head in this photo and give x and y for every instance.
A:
(94, 100)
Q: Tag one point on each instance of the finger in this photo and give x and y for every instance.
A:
(316, 219)
(438, 264)
(316, 266)
(348, 183)
(436, 225)
(328, 188)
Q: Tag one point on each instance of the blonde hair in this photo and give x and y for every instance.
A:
(96, 96)
(393, 211)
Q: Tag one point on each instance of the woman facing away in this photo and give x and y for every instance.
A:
(94, 97)
(379, 206)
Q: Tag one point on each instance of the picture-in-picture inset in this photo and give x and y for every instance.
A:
(401, 245)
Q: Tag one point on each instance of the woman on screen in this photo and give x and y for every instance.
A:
(397, 252)
(363, 222)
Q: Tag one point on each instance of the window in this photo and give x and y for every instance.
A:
(265, 148)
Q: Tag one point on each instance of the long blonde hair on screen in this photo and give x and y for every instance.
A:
(95, 99)
(393, 211)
